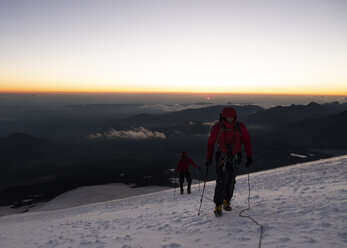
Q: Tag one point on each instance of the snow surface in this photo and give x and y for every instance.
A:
(93, 194)
(303, 205)
(83, 196)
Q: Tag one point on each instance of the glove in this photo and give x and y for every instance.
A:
(249, 161)
(208, 162)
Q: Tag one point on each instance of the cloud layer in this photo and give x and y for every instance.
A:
(177, 107)
(134, 133)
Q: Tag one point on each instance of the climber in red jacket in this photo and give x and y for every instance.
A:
(229, 134)
(183, 171)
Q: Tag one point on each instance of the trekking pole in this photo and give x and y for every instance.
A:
(175, 184)
(200, 179)
(203, 190)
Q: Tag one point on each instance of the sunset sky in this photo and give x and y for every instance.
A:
(274, 46)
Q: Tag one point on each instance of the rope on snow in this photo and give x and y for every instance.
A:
(249, 217)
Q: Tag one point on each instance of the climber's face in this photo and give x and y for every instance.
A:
(229, 119)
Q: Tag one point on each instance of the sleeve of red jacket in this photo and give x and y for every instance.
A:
(192, 163)
(211, 142)
(246, 139)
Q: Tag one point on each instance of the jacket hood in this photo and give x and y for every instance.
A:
(229, 112)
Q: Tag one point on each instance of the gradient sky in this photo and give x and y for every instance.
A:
(275, 46)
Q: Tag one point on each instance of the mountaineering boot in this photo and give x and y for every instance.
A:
(189, 191)
(217, 210)
(226, 205)
(182, 191)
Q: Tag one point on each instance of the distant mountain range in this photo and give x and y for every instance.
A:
(49, 156)
(329, 132)
(206, 114)
(24, 147)
(294, 113)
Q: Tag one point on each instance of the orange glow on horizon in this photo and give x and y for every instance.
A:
(333, 93)
(15, 87)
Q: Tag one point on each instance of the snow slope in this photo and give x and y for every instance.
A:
(303, 205)
(83, 196)
(93, 194)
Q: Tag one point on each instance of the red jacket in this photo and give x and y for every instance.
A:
(183, 164)
(231, 135)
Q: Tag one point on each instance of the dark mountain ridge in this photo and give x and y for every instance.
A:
(24, 147)
(70, 159)
(329, 132)
(294, 113)
(206, 114)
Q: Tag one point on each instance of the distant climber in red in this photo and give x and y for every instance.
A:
(183, 171)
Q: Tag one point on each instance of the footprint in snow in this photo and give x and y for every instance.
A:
(285, 239)
(172, 245)
(342, 236)
(125, 238)
(311, 240)
(325, 224)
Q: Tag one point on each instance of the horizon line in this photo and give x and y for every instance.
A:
(163, 92)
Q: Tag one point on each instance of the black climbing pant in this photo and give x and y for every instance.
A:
(186, 175)
(226, 170)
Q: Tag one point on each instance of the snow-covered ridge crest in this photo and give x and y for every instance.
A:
(303, 205)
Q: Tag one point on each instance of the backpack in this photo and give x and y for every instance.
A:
(222, 127)
(237, 128)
